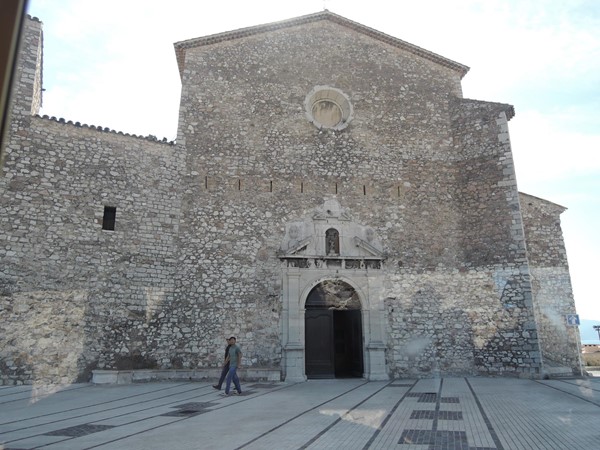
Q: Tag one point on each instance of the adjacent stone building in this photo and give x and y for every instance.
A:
(331, 199)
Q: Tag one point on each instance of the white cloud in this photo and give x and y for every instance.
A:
(545, 151)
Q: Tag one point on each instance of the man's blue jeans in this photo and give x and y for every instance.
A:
(224, 373)
(232, 375)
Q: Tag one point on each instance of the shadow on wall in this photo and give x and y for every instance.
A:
(487, 332)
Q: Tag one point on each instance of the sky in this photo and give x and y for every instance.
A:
(111, 63)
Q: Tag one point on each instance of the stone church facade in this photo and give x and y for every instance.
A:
(331, 199)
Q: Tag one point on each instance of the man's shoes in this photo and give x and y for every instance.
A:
(216, 387)
(223, 394)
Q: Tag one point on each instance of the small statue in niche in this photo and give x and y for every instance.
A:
(294, 235)
(332, 242)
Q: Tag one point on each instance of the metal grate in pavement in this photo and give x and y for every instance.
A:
(440, 415)
(439, 440)
(190, 409)
(184, 413)
(197, 406)
(424, 397)
(79, 430)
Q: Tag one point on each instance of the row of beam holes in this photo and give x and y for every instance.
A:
(301, 186)
(110, 212)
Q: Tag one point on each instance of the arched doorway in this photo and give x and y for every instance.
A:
(333, 331)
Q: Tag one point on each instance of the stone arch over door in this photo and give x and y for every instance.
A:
(297, 285)
(333, 331)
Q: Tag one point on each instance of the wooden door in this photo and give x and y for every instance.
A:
(319, 343)
(348, 343)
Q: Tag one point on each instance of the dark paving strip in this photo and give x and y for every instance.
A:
(387, 418)
(491, 430)
(298, 415)
(42, 395)
(438, 440)
(154, 427)
(185, 413)
(101, 411)
(581, 386)
(441, 415)
(89, 406)
(339, 419)
(425, 397)
(438, 400)
(262, 386)
(595, 403)
(182, 417)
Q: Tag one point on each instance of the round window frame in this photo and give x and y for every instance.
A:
(332, 95)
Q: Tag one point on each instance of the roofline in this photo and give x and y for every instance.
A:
(182, 46)
(564, 208)
(506, 107)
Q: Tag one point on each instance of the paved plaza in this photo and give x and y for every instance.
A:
(446, 413)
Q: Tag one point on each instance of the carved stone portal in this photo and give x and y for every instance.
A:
(343, 260)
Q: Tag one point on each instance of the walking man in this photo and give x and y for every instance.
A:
(225, 367)
(235, 361)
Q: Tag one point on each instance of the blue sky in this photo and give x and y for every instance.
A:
(112, 63)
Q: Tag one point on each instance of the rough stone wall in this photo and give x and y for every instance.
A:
(87, 297)
(442, 198)
(193, 257)
(459, 323)
(551, 282)
(53, 195)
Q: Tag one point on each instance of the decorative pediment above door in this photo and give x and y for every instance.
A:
(329, 238)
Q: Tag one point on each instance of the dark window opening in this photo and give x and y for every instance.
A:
(108, 221)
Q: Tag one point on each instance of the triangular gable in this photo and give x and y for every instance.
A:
(180, 47)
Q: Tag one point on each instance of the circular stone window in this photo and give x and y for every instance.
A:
(328, 107)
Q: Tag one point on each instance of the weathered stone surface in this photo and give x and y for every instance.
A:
(419, 183)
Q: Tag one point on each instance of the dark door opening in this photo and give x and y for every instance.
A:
(347, 335)
(333, 343)
(333, 332)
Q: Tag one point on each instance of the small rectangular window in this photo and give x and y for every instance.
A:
(108, 221)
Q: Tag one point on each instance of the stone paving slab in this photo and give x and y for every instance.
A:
(432, 414)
